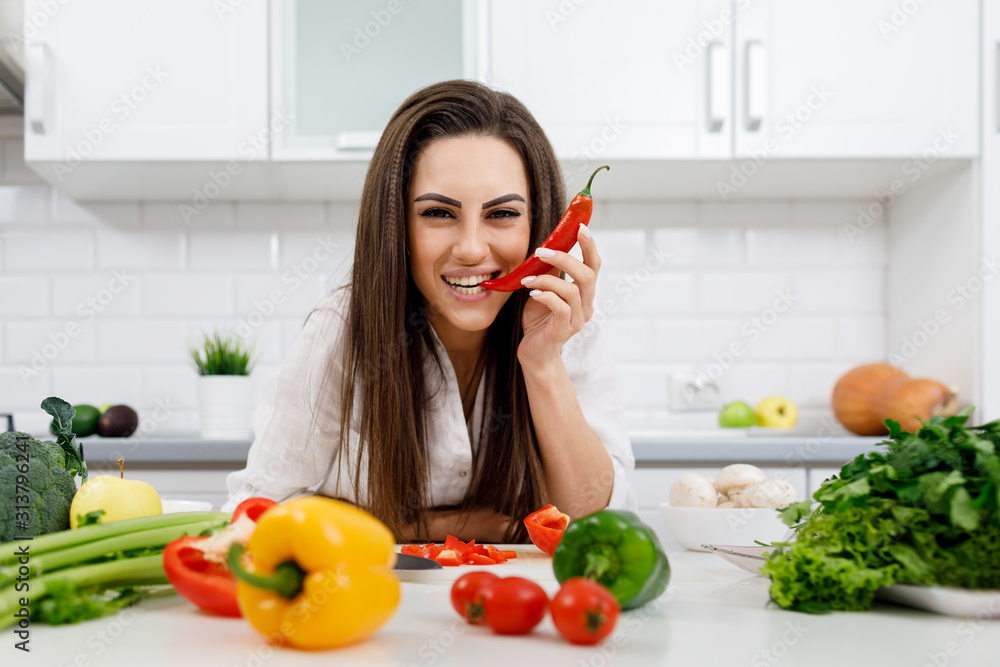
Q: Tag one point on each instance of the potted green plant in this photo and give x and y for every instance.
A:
(223, 363)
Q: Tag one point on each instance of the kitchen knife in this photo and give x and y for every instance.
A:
(408, 562)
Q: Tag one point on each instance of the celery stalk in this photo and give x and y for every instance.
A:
(9, 551)
(142, 571)
(90, 551)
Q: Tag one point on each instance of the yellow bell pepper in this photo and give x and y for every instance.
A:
(318, 574)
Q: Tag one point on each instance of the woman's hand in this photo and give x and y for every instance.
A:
(558, 309)
(483, 525)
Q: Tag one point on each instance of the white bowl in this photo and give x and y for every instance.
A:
(173, 506)
(744, 527)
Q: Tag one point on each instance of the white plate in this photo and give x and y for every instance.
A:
(531, 563)
(172, 506)
(944, 600)
(938, 599)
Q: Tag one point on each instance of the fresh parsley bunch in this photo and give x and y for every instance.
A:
(927, 511)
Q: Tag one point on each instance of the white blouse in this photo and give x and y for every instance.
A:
(296, 446)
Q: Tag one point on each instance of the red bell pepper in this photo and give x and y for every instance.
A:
(546, 527)
(206, 583)
(196, 565)
(456, 552)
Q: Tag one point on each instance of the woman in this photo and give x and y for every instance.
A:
(468, 408)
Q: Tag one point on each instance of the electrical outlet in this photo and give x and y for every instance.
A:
(693, 392)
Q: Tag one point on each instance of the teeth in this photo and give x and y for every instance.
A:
(467, 280)
(468, 291)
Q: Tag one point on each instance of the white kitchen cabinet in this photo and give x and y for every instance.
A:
(339, 70)
(163, 80)
(856, 78)
(988, 368)
(610, 80)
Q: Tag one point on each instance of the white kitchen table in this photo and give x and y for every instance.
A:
(712, 614)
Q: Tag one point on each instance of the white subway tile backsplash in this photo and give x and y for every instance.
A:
(278, 295)
(139, 249)
(645, 214)
(861, 339)
(24, 387)
(771, 213)
(687, 246)
(621, 249)
(24, 296)
(216, 214)
(812, 384)
(791, 337)
(97, 384)
(284, 215)
(52, 250)
(145, 341)
(644, 293)
(24, 204)
(342, 215)
(792, 246)
(628, 339)
(52, 340)
(860, 290)
(187, 295)
(745, 292)
(833, 213)
(87, 296)
(642, 386)
(320, 251)
(693, 340)
(863, 248)
(230, 250)
(752, 382)
(169, 387)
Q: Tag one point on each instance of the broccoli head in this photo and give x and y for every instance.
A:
(50, 487)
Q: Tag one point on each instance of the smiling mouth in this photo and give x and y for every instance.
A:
(468, 285)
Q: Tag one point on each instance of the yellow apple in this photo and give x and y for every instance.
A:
(119, 498)
(777, 412)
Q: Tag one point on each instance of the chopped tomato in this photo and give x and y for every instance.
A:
(412, 550)
(448, 557)
(458, 546)
(546, 527)
(456, 552)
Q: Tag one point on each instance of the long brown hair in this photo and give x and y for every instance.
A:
(388, 337)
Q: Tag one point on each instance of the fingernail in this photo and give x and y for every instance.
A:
(586, 231)
(545, 253)
(535, 292)
(527, 280)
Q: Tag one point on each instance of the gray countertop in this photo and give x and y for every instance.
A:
(651, 450)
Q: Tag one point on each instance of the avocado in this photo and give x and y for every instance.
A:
(84, 421)
(119, 421)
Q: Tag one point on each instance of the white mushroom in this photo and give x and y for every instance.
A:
(693, 490)
(772, 493)
(729, 504)
(734, 478)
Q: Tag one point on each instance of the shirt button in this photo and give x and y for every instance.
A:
(462, 473)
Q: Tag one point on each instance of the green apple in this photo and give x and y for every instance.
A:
(777, 412)
(737, 415)
(119, 498)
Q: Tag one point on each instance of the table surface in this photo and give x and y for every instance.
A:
(712, 614)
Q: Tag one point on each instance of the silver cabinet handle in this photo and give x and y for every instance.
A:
(755, 85)
(38, 88)
(716, 87)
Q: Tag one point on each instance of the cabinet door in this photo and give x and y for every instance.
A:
(628, 79)
(153, 80)
(856, 78)
(340, 69)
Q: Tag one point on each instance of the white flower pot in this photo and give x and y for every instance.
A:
(224, 404)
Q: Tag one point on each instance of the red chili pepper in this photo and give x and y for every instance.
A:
(209, 585)
(562, 238)
(546, 527)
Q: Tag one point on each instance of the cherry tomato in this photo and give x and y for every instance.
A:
(467, 595)
(514, 605)
(584, 611)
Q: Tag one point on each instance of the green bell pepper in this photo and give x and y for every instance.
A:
(617, 550)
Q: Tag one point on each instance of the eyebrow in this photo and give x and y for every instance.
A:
(457, 204)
